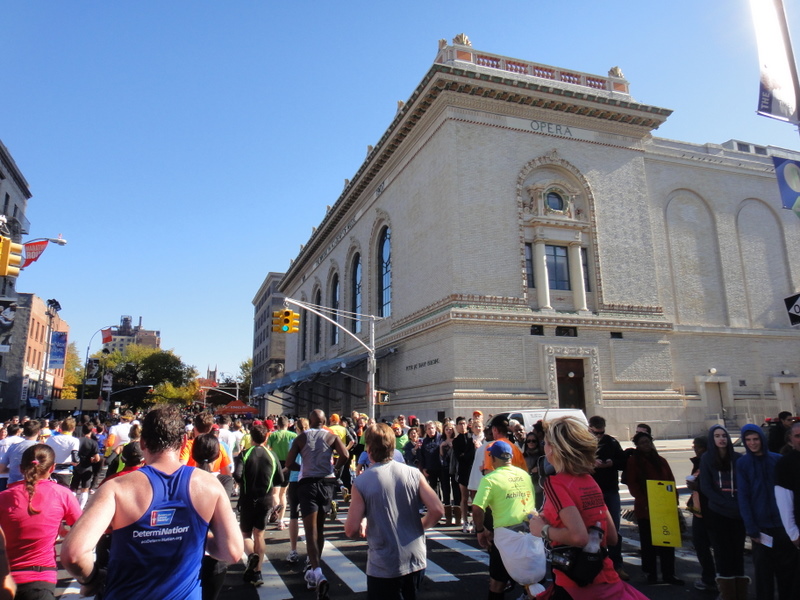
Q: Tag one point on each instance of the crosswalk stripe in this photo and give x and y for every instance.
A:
(465, 549)
(345, 570)
(273, 583)
(73, 589)
(432, 571)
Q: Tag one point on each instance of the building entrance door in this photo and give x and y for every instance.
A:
(569, 374)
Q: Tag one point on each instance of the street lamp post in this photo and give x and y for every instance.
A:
(53, 307)
(86, 367)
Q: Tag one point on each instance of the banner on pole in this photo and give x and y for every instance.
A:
(33, 250)
(58, 350)
(778, 93)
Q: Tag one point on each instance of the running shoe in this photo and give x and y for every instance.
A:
(311, 579)
(293, 557)
(345, 494)
(251, 569)
(334, 510)
(257, 580)
(307, 565)
(322, 585)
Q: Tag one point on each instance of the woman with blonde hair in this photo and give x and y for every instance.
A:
(32, 513)
(574, 514)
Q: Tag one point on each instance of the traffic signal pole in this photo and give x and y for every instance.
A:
(370, 348)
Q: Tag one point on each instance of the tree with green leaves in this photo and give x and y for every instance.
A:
(143, 374)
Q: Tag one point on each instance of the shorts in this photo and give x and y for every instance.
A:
(293, 500)
(315, 494)
(81, 479)
(253, 513)
(497, 570)
(285, 479)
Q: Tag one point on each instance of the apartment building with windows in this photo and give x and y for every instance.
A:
(523, 239)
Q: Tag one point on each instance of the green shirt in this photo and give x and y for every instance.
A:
(401, 442)
(509, 492)
(279, 442)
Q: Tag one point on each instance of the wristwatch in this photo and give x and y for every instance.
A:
(546, 532)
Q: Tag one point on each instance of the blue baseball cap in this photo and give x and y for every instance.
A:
(500, 449)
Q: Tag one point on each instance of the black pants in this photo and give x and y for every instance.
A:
(212, 577)
(727, 539)
(702, 546)
(776, 565)
(36, 590)
(650, 553)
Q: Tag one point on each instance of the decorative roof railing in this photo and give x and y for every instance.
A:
(463, 52)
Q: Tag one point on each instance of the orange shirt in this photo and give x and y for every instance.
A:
(517, 458)
(221, 465)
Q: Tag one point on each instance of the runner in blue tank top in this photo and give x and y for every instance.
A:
(160, 516)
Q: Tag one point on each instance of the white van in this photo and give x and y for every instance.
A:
(529, 417)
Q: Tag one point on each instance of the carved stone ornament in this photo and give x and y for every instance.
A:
(594, 391)
(442, 44)
(462, 40)
(616, 72)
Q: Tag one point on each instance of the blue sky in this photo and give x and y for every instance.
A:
(168, 141)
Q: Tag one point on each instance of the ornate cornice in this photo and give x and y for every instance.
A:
(447, 78)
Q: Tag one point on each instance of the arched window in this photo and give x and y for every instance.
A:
(334, 304)
(385, 273)
(317, 324)
(355, 292)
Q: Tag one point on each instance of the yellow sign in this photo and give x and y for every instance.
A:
(662, 499)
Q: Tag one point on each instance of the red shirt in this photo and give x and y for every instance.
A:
(31, 539)
(581, 491)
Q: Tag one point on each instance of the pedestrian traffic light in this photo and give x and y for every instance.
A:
(10, 257)
(285, 321)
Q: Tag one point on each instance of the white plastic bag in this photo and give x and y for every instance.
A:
(523, 555)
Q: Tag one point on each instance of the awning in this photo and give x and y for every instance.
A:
(318, 369)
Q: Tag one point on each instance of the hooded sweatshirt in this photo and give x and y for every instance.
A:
(756, 485)
(719, 486)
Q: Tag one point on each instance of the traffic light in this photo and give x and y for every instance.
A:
(381, 397)
(277, 321)
(10, 257)
(285, 321)
(291, 321)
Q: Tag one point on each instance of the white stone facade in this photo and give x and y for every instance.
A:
(677, 258)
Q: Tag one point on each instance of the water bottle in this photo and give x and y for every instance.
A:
(595, 535)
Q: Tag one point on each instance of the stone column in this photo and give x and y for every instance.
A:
(576, 276)
(540, 274)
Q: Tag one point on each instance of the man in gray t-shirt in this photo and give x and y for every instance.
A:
(10, 462)
(388, 495)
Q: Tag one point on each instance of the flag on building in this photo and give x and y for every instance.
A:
(779, 91)
(107, 336)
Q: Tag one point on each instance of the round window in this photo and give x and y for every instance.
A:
(554, 201)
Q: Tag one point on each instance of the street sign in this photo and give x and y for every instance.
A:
(793, 306)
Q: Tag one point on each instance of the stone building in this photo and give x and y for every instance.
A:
(527, 241)
(268, 348)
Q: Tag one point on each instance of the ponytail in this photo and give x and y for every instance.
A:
(35, 465)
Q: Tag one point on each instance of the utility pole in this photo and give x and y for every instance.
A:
(370, 348)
